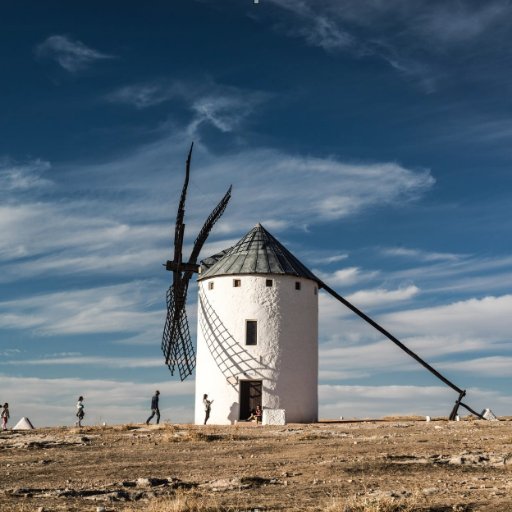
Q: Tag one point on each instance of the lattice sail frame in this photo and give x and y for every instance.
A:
(176, 340)
(177, 345)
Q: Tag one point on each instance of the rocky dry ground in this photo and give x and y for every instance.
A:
(367, 466)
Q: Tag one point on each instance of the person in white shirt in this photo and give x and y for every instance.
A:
(80, 413)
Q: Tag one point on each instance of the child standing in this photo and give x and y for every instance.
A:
(5, 416)
(80, 411)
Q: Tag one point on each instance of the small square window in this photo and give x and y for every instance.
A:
(269, 282)
(251, 332)
(237, 283)
(316, 290)
(297, 285)
(210, 286)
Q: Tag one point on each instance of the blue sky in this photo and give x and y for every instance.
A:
(371, 138)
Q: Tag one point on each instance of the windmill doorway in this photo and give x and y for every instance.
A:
(250, 397)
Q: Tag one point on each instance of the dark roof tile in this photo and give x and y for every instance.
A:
(258, 252)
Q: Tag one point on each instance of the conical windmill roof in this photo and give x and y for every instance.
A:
(258, 252)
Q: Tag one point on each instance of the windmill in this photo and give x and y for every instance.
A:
(226, 365)
(176, 341)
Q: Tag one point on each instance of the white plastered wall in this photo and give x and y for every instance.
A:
(285, 357)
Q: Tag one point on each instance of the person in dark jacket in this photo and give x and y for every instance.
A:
(154, 408)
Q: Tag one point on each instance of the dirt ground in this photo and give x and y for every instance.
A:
(365, 466)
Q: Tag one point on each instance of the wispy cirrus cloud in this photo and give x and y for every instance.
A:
(223, 107)
(148, 94)
(125, 308)
(23, 176)
(412, 37)
(110, 215)
(360, 25)
(72, 55)
(420, 255)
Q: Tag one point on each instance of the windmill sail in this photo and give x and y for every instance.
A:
(177, 344)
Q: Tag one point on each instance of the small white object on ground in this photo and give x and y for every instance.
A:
(489, 415)
(427, 418)
(23, 424)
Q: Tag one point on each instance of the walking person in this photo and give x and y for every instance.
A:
(207, 407)
(5, 416)
(80, 413)
(154, 408)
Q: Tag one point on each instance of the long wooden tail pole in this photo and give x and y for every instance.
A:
(388, 335)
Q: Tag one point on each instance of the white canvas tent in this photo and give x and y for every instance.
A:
(23, 424)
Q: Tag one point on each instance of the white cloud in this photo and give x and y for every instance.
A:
(25, 176)
(105, 217)
(486, 318)
(222, 107)
(327, 260)
(347, 276)
(457, 22)
(316, 25)
(378, 401)
(224, 112)
(421, 32)
(120, 308)
(72, 55)
(96, 361)
(419, 255)
(492, 366)
(148, 94)
(381, 296)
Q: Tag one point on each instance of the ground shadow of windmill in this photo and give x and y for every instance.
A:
(229, 355)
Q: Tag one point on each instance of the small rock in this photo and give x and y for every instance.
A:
(151, 482)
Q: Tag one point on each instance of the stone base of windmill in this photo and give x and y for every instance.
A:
(274, 417)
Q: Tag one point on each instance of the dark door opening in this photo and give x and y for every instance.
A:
(250, 397)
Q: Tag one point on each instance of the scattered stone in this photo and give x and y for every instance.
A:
(151, 482)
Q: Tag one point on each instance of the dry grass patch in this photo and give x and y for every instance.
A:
(181, 502)
(367, 503)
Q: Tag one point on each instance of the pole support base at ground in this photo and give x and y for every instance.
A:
(455, 410)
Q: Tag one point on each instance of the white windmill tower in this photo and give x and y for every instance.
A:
(257, 337)
(258, 325)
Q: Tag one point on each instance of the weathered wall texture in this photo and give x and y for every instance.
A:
(285, 358)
